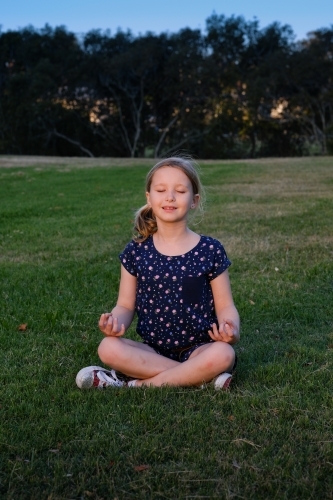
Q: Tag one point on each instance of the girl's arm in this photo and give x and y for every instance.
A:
(116, 323)
(227, 329)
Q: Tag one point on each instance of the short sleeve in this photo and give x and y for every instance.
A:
(128, 258)
(219, 259)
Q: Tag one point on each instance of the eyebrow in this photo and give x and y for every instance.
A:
(177, 185)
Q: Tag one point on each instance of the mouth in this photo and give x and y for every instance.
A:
(169, 209)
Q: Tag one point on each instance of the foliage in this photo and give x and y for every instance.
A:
(233, 91)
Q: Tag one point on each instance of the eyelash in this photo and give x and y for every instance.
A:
(162, 191)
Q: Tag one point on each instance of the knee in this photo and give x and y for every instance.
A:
(106, 349)
(224, 355)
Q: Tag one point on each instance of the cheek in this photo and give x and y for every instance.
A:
(151, 199)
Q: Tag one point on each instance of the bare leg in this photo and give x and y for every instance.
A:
(134, 359)
(141, 361)
(204, 364)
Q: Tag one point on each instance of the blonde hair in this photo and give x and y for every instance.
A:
(145, 221)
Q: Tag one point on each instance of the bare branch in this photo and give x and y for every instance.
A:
(190, 137)
(71, 141)
(165, 131)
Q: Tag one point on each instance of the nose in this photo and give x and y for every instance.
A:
(170, 196)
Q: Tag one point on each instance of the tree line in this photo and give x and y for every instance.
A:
(232, 91)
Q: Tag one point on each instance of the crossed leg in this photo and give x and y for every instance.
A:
(140, 361)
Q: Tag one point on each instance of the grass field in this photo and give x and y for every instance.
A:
(62, 227)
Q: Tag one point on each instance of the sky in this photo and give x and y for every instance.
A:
(140, 16)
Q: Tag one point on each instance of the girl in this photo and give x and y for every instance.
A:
(177, 282)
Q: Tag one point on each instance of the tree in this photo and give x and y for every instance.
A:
(234, 91)
(123, 68)
(179, 94)
(311, 86)
(38, 69)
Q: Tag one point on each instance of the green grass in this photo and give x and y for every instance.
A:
(62, 227)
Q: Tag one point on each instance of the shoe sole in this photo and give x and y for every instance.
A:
(222, 383)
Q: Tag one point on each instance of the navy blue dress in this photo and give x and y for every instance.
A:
(174, 300)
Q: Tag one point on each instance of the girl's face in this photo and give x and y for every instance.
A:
(171, 195)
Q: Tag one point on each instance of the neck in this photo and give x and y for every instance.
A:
(174, 239)
(172, 232)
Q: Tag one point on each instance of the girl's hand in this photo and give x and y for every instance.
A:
(108, 324)
(227, 332)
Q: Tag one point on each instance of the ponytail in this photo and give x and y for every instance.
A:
(144, 223)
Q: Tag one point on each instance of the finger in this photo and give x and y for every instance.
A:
(115, 325)
(111, 329)
(214, 333)
(222, 327)
(220, 330)
(114, 331)
(212, 336)
(218, 337)
(108, 325)
(231, 329)
(227, 326)
(121, 332)
(215, 329)
(224, 332)
(104, 318)
(228, 330)
(102, 322)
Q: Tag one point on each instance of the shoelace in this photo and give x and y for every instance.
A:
(108, 380)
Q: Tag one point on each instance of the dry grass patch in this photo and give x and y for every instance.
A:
(280, 184)
(254, 210)
(8, 161)
(251, 248)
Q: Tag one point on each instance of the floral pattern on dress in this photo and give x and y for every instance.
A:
(174, 299)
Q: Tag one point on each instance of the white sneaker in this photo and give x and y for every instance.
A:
(223, 381)
(99, 378)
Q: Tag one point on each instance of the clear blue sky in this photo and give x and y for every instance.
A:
(140, 16)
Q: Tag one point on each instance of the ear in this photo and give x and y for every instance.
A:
(148, 197)
(195, 202)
